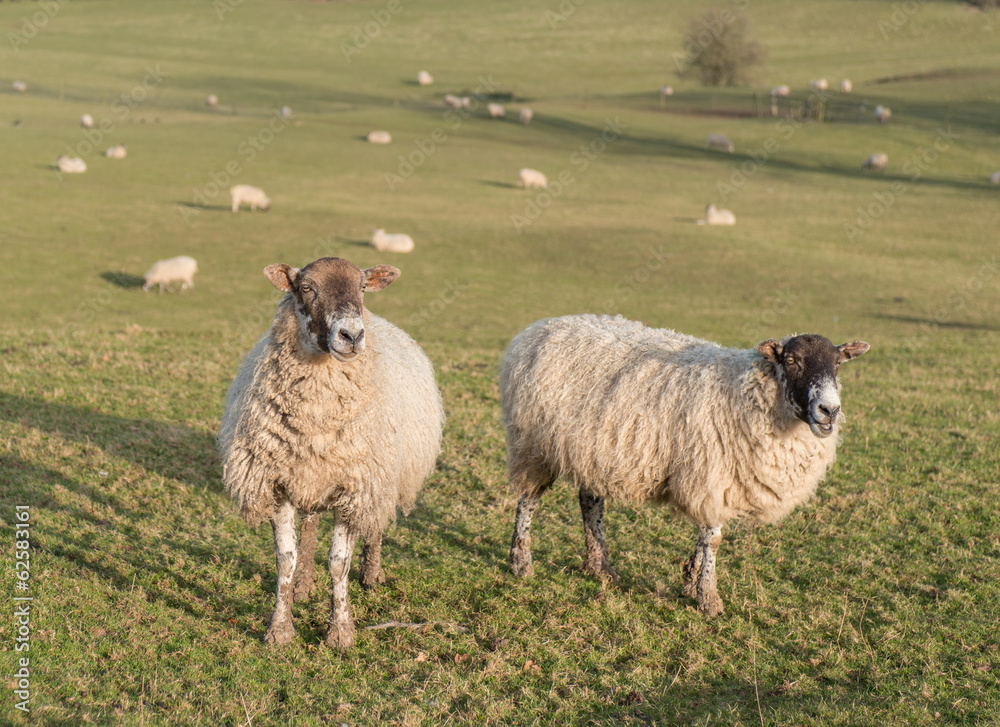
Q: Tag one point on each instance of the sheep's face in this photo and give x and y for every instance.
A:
(329, 302)
(807, 368)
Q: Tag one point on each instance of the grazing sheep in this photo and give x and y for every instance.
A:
(87, 121)
(253, 196)
(719, 141)
(286, 112)
(846, 86)
(883, 114)
(118, 151)
(875, 163)
(424, 78)
(454, 102)
(782, 90)
(395, 242)
(650, 415)
(496, 111)
(995, 178)
(379, 137)
(819, 84)
(211, 100)
(333, 409)
(19, 86)
(532, 179)
(180, 269)
(666, 90)
(525, 116)
(71, 165)
(715, 216)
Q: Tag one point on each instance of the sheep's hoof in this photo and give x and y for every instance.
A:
(340, 637)
(279, 633)
(710, 606)
(520, 563)
(601, 570)
(371, 577)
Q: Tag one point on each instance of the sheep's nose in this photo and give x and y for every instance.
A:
(352, 338)
(830, 412)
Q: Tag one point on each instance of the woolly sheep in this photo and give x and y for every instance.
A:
(379, 137)
(211, 100)
(666, 90)
(883, 114)
(424, 78)
(180, 269)
(118, 151)
(715, 216)
(496, 111)
(995, 178)
(525, 116)
(87, 121)
(819, 84)
(286, 112)
(650, 415)
(454, 102)
(19, 86)
(532, 179)
(846, 86)
(395, 242)
(782, 90)
(253, 196)
(875, 163)
(719, 141)
(333, 409)
(71, 165)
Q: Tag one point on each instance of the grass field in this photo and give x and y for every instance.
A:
(875, 604)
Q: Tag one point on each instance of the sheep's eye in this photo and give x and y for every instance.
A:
(790, 361)
(306, 288)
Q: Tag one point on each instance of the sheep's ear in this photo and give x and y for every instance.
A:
(379, 277)
(281, 276)
(852, 350)
(770, 349)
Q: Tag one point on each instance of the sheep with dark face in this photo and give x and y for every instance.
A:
(649, 415)
(333, 409)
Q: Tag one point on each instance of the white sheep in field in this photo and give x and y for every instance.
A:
(19, 86)
(715, 216)
(875, 163)
(666, 90)
(211, 100)
(333, 409)
(424, 78)
(180, 269)
(454, 102)
(883, 114)
(819, 84)
(496, 111)
(782, 90)
(995, 178)
(532, 179)
(71, 165)
(525, 116)
(118, 151)
(653, 416)
(846, 86)
(87, 121)
(246, 194)
(719, 141)
(391, 242)
(379, 137)
(286, 112)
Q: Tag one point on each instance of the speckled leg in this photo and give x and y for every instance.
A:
(520, 544)
(281, 630)
(699, 571)
(305, 566)
(340, 634)
(596, 560)
(371, 573)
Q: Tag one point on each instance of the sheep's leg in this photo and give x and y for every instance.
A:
(371, 573)
(305, 567)
(281, 630)
(699, 571)
(596, 559)
(520, 544)
(340, 634)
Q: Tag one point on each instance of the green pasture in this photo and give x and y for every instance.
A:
(875, 604)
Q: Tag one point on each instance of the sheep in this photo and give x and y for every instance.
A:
(715, 216)
(333, 409)
(532, 179)
(666, 90)
(180, 269)
(719, 141)
(995, 178)
(286, 112)
(118, 151)
(454, 102)
(819, 84)
(379, 137)
(87, 121)
(19, 86)
(395, 242)
(875, 163)
(782, 90)
(496, 111)
(424, 78)
(883, 114)
(211, 100)
(71, 165)
(253, 196)
(846, 86)
(650, 415)
(525, 116)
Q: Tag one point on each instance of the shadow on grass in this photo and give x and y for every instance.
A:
(501, 185)
(205, 207)
(123, 279)
(930, 323)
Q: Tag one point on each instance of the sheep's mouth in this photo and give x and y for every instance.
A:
(822, 429)
(344, 356)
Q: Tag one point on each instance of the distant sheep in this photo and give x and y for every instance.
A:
(211, 100)
(666, 90)
(995, 178)
(87, 121)
(525, 116)
(394, 242)
(379, 137)
(875, 163)
(846, 86)
(71, 165)
(180, 269)
(253, 196)
(646, 415)
(19, 86)
(782, 90)
(424, 78)
(532, 179)
(286, 112)
(719, 141)
(819, 84)
(715, 216)
(883, 114)
(118, 151)
(496, 111)
(454, 102)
